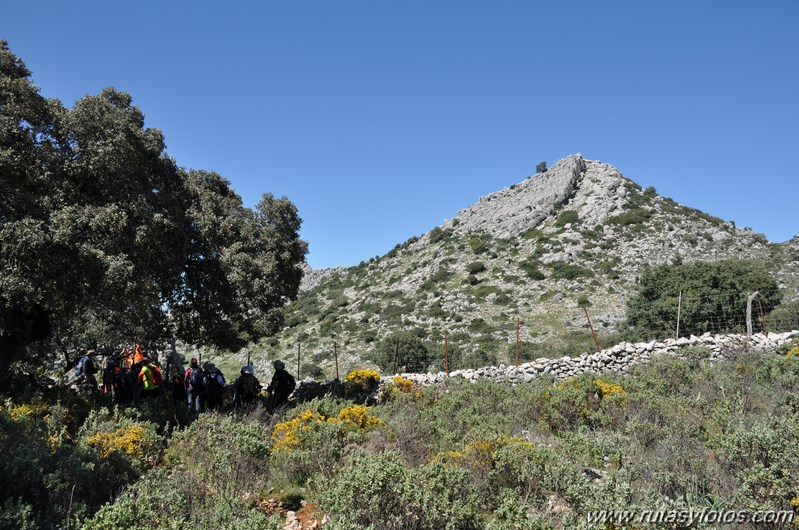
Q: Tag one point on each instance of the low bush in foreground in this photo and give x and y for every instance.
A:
(672, 434)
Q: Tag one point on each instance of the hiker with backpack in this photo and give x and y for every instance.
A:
(112, 377)
(178, 385)
(149, 382)
(246, 388)
(280, 388)
(213, 387)
(194, 383)
(86, 371)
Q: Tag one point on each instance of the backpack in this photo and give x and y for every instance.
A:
(283, 383)
(213, 388)
(82, 365)
(194, 378)
(81, 362)
(246, 387)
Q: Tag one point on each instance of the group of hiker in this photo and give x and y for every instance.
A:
(131, 375)
(127, 377)
(205, 387)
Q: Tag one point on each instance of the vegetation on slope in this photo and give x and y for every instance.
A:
(473, 286)
(672, 434)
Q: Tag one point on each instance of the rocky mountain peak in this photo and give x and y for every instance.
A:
(579, 231)
(522, 206)
(595, 189)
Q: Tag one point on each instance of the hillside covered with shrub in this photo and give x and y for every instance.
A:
(533, 255)
(676, 433)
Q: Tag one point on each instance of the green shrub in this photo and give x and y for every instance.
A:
(483, 291)
(784, 317)
(403, 352)
(437, 312)
(562, 270)
(567, 217)
(312, 370)
(51, 475)
(380, 492)
(531, 268)
(479, 325)
(503, 299)
(438, 235)
(341, 301)
(532, 234)
(714, 297)
(475, 267)
(607, 266)
(637, 216)
(161, 501)
(479, 243)
(436, 279)
(213, 466)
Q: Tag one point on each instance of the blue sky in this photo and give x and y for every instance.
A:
(382, 119)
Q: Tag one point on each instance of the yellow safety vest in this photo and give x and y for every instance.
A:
(148, 377)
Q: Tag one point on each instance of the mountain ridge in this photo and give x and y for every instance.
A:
(531, 250)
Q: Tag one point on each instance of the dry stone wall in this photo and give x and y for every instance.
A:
(619, 358)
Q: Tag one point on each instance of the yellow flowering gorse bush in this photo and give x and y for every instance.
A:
(481, 453)
(127, 439)
(288, 435)
(793, 352)
(25, 410)
(364, 378)
(609, 390)
(356, 418)
(401, 384)
(605, 389)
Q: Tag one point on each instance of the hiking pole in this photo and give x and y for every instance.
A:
(298, 360)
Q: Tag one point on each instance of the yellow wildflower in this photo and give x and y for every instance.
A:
(356, 417)
(363, 377)
(26, 410)
(403, 385)
(609, 390)
(126, 439)
(481, 453)
(286, 435)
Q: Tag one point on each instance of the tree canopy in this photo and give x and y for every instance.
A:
(714, 297)
(104, 236)
(402, 351)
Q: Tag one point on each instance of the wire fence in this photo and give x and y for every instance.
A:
(681, 315)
